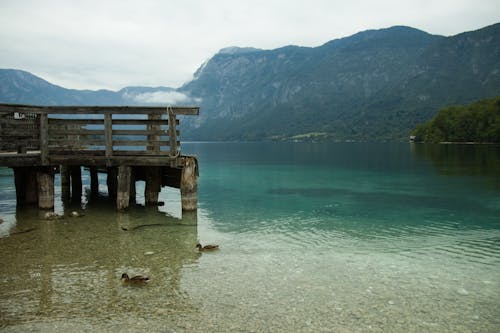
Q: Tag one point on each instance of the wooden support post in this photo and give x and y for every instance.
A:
(94, 182)
(65, 181)
(108, 134)
(31, 191)
(76, 183)
(44, 138)
(153, 185)
(123, 195)
(172, 133)
(45, 180)
(26, 185)
(132, 186)
(19, 181)
(154, 140)
(189, 185)
(112, 182)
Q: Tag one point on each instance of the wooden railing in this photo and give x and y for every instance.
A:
(107, 132)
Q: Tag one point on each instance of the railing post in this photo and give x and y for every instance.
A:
(44, 138)
(108, 134)
(172, 132)
(153, 143)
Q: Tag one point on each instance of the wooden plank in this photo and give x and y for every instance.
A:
(140, 122)
(83, 131)
(18, 122)
(64, 132)
(177, 110)
(140, 153)
(139, 142)
(23, 132)
(82, 141)
(60, 121)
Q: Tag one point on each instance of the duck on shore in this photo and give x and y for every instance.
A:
(209, 247)
(138, 279)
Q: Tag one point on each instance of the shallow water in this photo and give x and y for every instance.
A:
(314, 238)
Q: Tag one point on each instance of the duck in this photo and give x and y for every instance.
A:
(209, 247)
(138, 279)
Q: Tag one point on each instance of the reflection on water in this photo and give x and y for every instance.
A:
(71, 267)
(463, 160)
(314, 238)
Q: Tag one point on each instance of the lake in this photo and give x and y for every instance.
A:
(314, 237)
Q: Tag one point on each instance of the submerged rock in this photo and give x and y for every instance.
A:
(51, 216)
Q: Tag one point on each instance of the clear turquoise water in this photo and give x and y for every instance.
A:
(315, 237)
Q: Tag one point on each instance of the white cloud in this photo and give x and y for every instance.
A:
(162, 97)
(112, 44)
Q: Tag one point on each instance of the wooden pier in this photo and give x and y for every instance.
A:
(128, 143)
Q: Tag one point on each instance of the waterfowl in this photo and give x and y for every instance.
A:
(138, 279)
(209, 247)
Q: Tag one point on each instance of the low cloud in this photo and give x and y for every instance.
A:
(163, 97)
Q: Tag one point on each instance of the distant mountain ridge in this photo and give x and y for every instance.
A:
(373, 86)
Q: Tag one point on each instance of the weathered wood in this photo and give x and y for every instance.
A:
(94, 182)
(189, 185)
(123, 194)
(132, 186)
(26, 185)
(76, 183)
(44, 139)
(84, 131)
(36, 136)
(45, 181)
(112, 182)
(153, 185)
(108, 134)
(172, 134)
(177, 110)
(64, 170)
(154, 138)
(157, 143)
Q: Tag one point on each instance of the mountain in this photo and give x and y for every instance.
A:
(373, 86)
(21, 87)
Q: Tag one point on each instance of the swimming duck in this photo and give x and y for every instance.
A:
(209, 247)
(138, 279)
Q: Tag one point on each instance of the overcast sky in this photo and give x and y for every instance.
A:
(110, 44)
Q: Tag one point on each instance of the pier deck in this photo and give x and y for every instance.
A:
(129, 143)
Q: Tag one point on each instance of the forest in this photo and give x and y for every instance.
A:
(477, 122)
